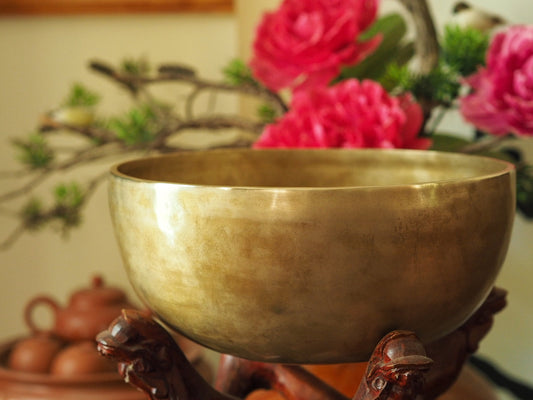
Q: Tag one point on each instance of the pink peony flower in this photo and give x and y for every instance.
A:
(305, 42)
(349, 114)
(502, 97)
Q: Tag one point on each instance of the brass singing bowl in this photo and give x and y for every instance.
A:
(312, 256)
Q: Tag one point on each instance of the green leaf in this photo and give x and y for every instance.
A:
(449, 143)
(392, 48)
(392, 26)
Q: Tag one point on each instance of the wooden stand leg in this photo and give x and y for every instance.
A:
(452, 351)
(149, 359)
(400, 368)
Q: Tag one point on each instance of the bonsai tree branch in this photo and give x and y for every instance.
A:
(426, 43)
(149, 128)
(53, 213)
(177, 73)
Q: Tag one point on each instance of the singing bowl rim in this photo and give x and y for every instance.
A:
(506, 167)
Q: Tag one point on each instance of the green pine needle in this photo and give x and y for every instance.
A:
(35, 151)
(136, 67)
(464, 49)
(138, 126)
(68, 195)
(441, 86)
(267, 113)
(238, 73)
(397, 76)
(32, 214)
(67, 209)
(80, 96)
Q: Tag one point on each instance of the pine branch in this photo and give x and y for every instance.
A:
(167, 74)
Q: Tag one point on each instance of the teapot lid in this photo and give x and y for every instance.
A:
(97, 295)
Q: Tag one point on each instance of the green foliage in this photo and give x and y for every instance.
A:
(524, 190)
(69, 195)
(80, 96)
(34, 152)
(68, 200)
(138, 126)
(137, 67)
(388, 65)
(439, 87)
(464, 49)
(32, 213)
(238, 73)
(397, 76)
(267, 113)
(392, 48)
(449, 143)
(462, 52)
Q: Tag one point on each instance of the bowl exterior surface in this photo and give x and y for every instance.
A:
(310, 275)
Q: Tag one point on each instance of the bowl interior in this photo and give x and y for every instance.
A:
(310, 168)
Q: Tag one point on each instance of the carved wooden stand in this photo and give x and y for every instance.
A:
(401, 367)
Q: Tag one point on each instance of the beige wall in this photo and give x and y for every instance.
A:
(41, 56)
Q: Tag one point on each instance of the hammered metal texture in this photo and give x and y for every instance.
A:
(311, 256)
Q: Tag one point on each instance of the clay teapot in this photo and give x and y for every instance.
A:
(88, 312)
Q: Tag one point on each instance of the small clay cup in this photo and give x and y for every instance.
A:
(80, 359)
(34, 354)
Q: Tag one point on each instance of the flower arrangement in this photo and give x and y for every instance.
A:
(328, 73)
(303, 46)
(308, 48)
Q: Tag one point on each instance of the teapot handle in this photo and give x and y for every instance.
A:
(28, 312)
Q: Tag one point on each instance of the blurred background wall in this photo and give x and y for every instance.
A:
(42, 56)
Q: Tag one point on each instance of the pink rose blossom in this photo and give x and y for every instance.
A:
(502, 97)
(305, 42)
(349, 114)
